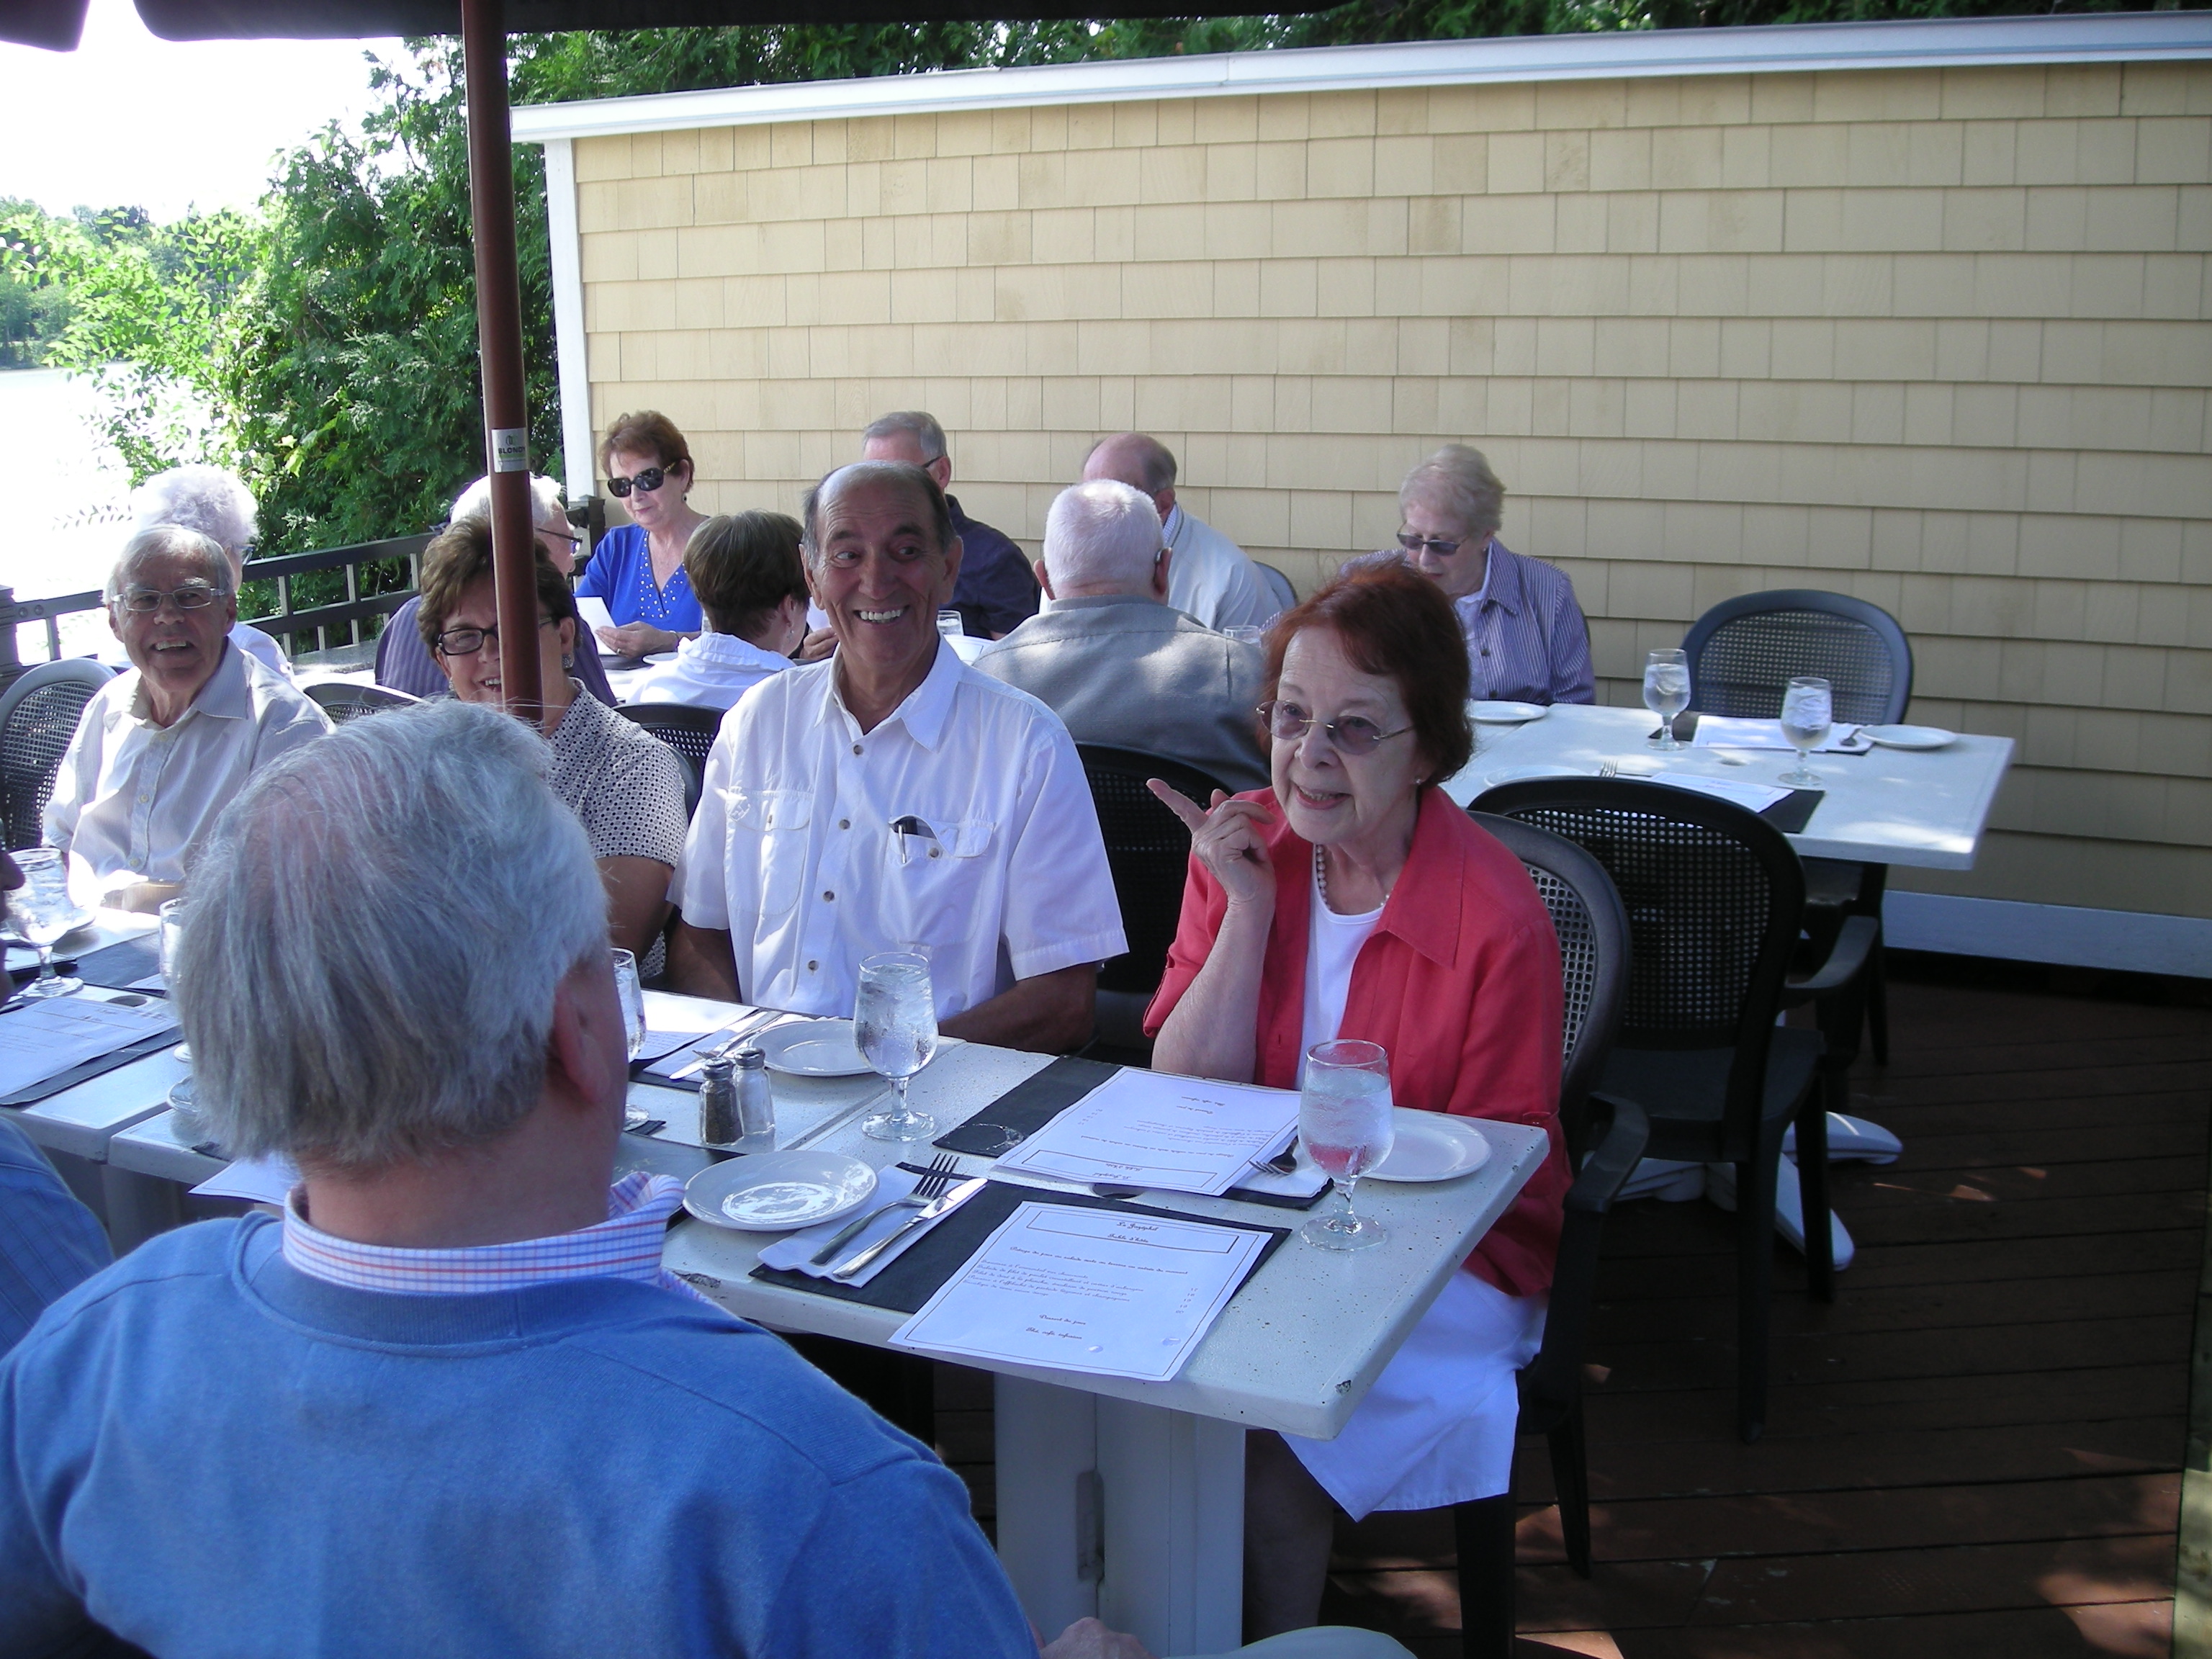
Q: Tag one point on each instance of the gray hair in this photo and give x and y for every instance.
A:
(914, 423)
(1459, 480)
(904, 474)
(475, 503)
(1156, 462)
(377, 927)
(169, 541)
(1102, 534)
(212, 500)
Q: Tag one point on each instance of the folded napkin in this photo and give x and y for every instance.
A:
(795, 1251)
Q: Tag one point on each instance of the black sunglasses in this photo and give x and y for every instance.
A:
(648, 478)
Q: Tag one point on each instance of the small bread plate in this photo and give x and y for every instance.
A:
(1506, 713)
(1534, 770)
(1431, 1146)
(774, 1191)
(1910, 737)
(813, 1048)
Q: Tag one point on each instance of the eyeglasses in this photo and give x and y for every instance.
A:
(145, 601)
(648, 478)
(467, 641)
(1439, 548)
(567, 536)
(1354, 734)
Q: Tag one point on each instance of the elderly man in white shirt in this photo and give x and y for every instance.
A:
(162, 747)
(1211, 578)
(215, 501)
(894, 798)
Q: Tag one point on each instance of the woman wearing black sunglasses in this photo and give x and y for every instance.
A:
(637, 570)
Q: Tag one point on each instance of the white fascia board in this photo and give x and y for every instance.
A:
(2070, 935)
(1797, 48)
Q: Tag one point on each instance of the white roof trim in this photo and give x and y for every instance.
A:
(1799, 48)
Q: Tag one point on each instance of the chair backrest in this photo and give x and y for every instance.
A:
(1713, 895)
(1283, 590)
(39, 716)
(1148, 850)
(687, 728)
(345, 699)
(1594, 957)
(1745, 650)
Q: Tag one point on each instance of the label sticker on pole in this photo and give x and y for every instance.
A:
(510, 449)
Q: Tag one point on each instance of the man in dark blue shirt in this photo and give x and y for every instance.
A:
(48, 1243)
(995, 591)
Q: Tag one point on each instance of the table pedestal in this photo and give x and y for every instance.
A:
(1156, 1550)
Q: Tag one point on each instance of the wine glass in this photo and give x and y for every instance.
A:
(1667, 692)
(1807, 709)
(895, 1022)
(1344, 1122)
(632, 994)
(41, 912)
(172, 917)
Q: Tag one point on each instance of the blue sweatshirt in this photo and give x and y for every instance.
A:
(209, 1453)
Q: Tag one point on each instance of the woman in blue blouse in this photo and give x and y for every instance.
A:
(637, 569)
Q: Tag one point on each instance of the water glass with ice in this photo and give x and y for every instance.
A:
(1807, 710)
(41, 912)
(895, 1022)
(1344, 1123)
(631, 993)
(1667, 692)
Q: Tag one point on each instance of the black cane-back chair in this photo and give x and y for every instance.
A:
(343, 701)
(39, 716)
(1743, 653)
(1280, 588)
(1714, 896)
(688, 729)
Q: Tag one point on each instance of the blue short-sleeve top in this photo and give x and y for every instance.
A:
(621, 575)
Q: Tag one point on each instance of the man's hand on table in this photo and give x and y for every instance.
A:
(1086, 1638)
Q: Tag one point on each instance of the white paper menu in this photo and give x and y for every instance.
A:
(1182, 1134)
(1077, 1289)
(43, 1037)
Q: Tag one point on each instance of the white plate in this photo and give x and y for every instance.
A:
(654, 659)
(1536, 770)
(814, 1048)
(1910, 737)
(1431, 1146)
(775, 1192)
(1506, 713)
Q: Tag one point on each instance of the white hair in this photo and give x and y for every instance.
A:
(1102, 534)
(475, 501)
(375, 932)
(212, 500)
(917, 424)
(174, 541)
(1458, 480)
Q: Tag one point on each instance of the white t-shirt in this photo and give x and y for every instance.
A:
(1333, 944)
(711, 670)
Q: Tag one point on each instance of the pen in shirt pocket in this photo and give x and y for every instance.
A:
(909, 829)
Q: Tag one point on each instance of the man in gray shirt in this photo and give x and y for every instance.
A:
(1114, 661)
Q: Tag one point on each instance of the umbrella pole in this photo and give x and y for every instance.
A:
(499, 341)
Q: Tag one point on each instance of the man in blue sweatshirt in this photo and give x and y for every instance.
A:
(450, 1404)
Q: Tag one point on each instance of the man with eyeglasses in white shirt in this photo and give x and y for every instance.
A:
(162, 747)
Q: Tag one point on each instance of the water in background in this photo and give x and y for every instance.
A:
(70, 521)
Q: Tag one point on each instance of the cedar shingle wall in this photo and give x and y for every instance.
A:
(1939, 339)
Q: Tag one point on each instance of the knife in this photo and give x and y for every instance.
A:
(935, 1211)
(748, 1026)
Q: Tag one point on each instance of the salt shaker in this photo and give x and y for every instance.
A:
(755, 1103)
(719, 1118)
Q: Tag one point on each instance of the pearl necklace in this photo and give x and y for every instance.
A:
(1321, 876)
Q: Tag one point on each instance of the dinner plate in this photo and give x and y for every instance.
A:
(1534, 770)
(775, 1192)
(1431, 1146)
(1507, 714)
(813, 1048)
(1910, 737)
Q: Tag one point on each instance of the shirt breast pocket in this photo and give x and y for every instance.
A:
(778, 823)
(935, 889)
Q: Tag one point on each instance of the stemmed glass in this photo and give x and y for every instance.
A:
(172, 935)
(1807, 709)
(41, 912)
(1667, 692)
(1344, 1121)
(895, 1022)
(632, 994)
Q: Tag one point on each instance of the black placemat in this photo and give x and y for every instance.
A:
(670, 1158)
(1793, 811)
(121, 965)
(1027, 1107)
(47, 1087)
(912, 1279)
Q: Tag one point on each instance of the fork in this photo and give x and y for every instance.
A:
(1609, 769)
(944, 1171)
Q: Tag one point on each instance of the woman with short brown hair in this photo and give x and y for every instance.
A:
(637, 569)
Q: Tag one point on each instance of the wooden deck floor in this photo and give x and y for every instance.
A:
(1974, 1451)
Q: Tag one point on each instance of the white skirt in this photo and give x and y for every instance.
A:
(1438, 1427)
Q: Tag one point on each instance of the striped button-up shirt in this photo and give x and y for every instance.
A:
(626, 1245)
(1526, 638)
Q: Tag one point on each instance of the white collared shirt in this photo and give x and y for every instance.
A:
(133, 798)
(999, 870)
(1213, 579)
(711, 670)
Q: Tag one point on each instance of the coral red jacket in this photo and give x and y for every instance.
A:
(1459, 982)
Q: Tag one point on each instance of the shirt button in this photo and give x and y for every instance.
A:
(826, 894)
(844, 823)
(811, 966)
(856, 748)
(936, 852)
(1485, 650)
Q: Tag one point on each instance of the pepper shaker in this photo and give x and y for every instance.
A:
(719, 1122)
(756, 1102)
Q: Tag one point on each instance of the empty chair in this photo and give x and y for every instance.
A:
(1279, 587)
(39, 716)
(688, 729)
(344, 700)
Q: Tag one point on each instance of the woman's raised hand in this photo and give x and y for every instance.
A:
(1225, 838)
